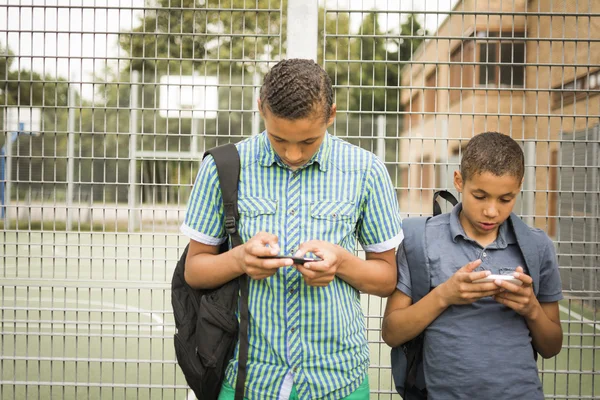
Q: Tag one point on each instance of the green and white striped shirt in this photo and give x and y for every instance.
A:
(311, 337)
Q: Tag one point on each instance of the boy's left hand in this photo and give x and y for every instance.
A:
(519, 298)
(319, 273)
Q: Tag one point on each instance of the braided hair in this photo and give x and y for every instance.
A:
(297, 88)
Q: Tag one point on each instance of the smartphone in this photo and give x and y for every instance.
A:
(297, 260)
(492, 278)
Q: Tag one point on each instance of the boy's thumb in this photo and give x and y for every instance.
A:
(470, 267)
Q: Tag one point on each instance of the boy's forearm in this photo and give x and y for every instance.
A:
(546, 334)
(375, 276)
(402, 325)
(208, 271)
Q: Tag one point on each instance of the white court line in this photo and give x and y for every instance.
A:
(147, 313)
(143, 277)
(578, 317)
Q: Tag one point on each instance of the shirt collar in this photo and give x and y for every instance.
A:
(267, 156)
(505, 235)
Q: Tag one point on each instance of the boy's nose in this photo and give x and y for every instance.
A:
(490, 212)
(293, 155)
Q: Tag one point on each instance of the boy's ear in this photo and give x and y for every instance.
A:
(458, 181)
(332, 114)
(260, 111)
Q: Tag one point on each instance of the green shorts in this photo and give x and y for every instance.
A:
(362, 393)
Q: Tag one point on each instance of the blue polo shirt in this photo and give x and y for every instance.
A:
(313, 338)
(481, 350)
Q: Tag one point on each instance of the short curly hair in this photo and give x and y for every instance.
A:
(492, 152)
(297, 88)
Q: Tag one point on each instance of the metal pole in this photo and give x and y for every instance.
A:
(381, 137)
(194, 137)
(3, 180)
(2, 183)
(592, 250)
(302, 29)
(71, 155)
(446, 172)
(11, 137)
(255, 97)
(133, 213)
(529, 183)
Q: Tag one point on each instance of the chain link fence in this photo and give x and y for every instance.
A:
(108, 106)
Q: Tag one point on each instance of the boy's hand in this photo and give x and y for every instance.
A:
(519, 298)
(460, 289)
(319, 273)
(260, 245)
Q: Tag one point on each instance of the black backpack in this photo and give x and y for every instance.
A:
(407, 359)
(205, 319)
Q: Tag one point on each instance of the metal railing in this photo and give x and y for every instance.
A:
(108, 108)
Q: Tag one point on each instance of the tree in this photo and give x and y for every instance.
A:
(411, 36)
(380, 57)
(229, 38)
(183, 36)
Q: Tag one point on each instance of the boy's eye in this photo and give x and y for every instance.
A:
(479, 197)
(505, 200)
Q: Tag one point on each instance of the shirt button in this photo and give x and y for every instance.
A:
(291, 291)
(484, 254)
(292, 212)
(295, 369)
(292, 329)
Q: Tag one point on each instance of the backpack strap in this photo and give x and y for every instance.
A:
(446, 195)
(529, 249)
(227, 160)
(414, 248)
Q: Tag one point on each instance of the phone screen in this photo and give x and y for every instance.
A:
(297, 260)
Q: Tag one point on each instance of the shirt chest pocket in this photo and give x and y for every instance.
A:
(332, 220)
(256, 214)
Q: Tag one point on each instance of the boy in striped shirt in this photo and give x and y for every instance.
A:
(301, 191)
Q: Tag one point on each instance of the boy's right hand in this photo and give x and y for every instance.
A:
(460, 289)
(263, 244)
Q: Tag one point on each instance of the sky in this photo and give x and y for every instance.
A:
(74, 37)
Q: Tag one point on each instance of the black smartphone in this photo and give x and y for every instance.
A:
(297, 260)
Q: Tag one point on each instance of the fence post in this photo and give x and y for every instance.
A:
(529, 183)
(133, 214)
(70, 154)
(381, 125)
(302, 28)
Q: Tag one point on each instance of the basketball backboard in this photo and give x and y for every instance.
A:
(189, 96)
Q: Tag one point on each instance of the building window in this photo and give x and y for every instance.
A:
(579, 88)
(461, 74)
(501, 60)
(494, 59)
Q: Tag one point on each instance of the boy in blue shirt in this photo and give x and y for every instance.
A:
(478, 336)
